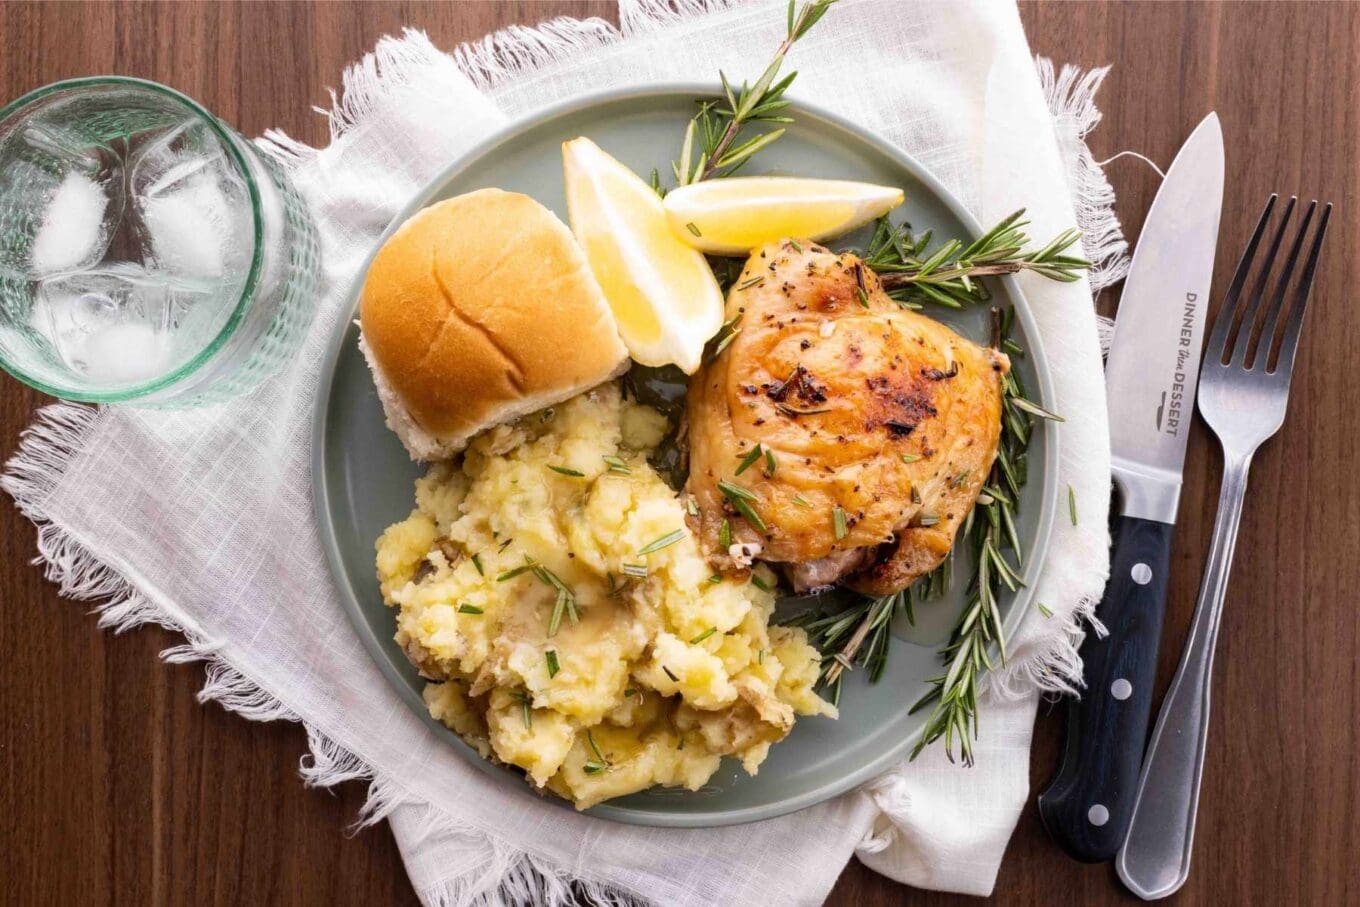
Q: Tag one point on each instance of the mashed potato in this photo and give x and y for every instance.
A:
(656, 669)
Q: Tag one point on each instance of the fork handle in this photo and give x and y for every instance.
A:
(1155, 858)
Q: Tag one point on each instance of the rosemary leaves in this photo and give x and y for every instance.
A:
(911, 273)
(719, 131)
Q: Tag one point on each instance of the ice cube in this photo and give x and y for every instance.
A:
(111, 324)
(75, 228)
(193, 207)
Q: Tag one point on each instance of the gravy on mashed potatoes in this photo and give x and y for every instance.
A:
(661, 674)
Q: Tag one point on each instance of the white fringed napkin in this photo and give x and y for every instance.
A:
(202, 520)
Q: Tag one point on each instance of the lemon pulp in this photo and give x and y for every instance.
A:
(665, 299)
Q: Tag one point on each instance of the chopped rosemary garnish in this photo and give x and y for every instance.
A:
(735, 492)
(665, 541)
(527, 704)
(1072, 504)
(693, 229)
(617, 466)
(801, 501)
(631, 691)
(760, 657)
(469, 609)
(551, 658)
(725, 342)
(716, 128)
(725, 534)
(769, 463)
(559, 608)
(741, 500)
(715, 578)
(1044, 610)
(925, 519)
(637, 571)
(761, 584)
(838, 522)
(565, 603)
(862, 296)
(910, 458)
(702, 636)
(599, 763)
(753, 282)
(751, 456)
(477, 562)
(670, 674)
(517, 571)
(574, 473)
(691, 506)
(726, 334)
(797, 247)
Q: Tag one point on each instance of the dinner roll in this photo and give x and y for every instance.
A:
(477, 310)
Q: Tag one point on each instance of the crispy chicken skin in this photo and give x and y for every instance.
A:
(865, 406)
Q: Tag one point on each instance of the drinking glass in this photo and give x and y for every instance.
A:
(149, 254)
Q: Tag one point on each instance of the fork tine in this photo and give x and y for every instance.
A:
(1262, 346)
(1293, 327)
(1218, 338)
(1242, 336)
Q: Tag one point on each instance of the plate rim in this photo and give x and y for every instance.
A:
(335, 346)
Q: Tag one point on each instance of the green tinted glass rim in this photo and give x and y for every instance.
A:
(228, 140)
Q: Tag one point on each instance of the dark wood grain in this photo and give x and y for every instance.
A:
(117, 787)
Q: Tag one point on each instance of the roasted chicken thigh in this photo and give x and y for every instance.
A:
(877, 427)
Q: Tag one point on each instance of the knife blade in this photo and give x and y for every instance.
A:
(1150, 379)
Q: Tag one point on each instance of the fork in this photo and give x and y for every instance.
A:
(1243, 392)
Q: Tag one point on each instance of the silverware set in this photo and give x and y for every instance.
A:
(1111, 797)
(1243, 394)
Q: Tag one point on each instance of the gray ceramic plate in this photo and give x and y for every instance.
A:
(363, 480)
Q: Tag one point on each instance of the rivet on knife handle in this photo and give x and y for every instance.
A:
(1087, 806)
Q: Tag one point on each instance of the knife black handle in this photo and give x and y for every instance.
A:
(1086, 807)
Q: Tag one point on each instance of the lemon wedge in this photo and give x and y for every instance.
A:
(734, 216)
(663, 293)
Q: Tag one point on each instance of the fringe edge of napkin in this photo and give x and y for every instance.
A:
(509, 874)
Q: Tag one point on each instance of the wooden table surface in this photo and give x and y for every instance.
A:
(117, 787)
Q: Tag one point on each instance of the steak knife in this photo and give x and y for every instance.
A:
(1150, 380)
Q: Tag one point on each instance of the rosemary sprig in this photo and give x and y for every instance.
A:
(719, 129)
(912, 273)
(859, 634)
(991, 528)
